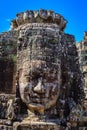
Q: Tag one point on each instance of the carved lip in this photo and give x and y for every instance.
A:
(37, 107)
(39, 100)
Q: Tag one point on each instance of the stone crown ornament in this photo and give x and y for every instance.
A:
(39, 16)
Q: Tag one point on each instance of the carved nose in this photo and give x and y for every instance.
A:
(39, 88)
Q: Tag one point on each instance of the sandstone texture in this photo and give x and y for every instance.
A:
(82, 51)
(48, 83)
(8, 61)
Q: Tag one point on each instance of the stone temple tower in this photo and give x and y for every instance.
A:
(49, 88)
(49, 78)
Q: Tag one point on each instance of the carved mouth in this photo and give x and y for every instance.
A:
(39, 100)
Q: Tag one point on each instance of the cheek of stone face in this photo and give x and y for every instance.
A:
(55, 88)
(52, 96)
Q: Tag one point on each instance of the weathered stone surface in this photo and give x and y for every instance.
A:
(37, 125)
(46, 56)
(4, 100)
(82, 51)
(42, 16)
(8, 44)
(6, 75)
(8, 59)
(49, 83)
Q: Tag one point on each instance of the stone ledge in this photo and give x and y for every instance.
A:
(28, 125)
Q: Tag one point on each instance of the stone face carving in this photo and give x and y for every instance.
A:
(39, 78)
(49, 88)
(39, 86)
(48, 83)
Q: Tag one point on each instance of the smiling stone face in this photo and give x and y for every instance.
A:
(39, 85)
(40, 69)
(50, 81)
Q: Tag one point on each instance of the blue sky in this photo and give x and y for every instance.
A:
(75, 11)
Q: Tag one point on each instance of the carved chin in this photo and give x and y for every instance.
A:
(36, 107)
(42, 107)
(36, 103)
